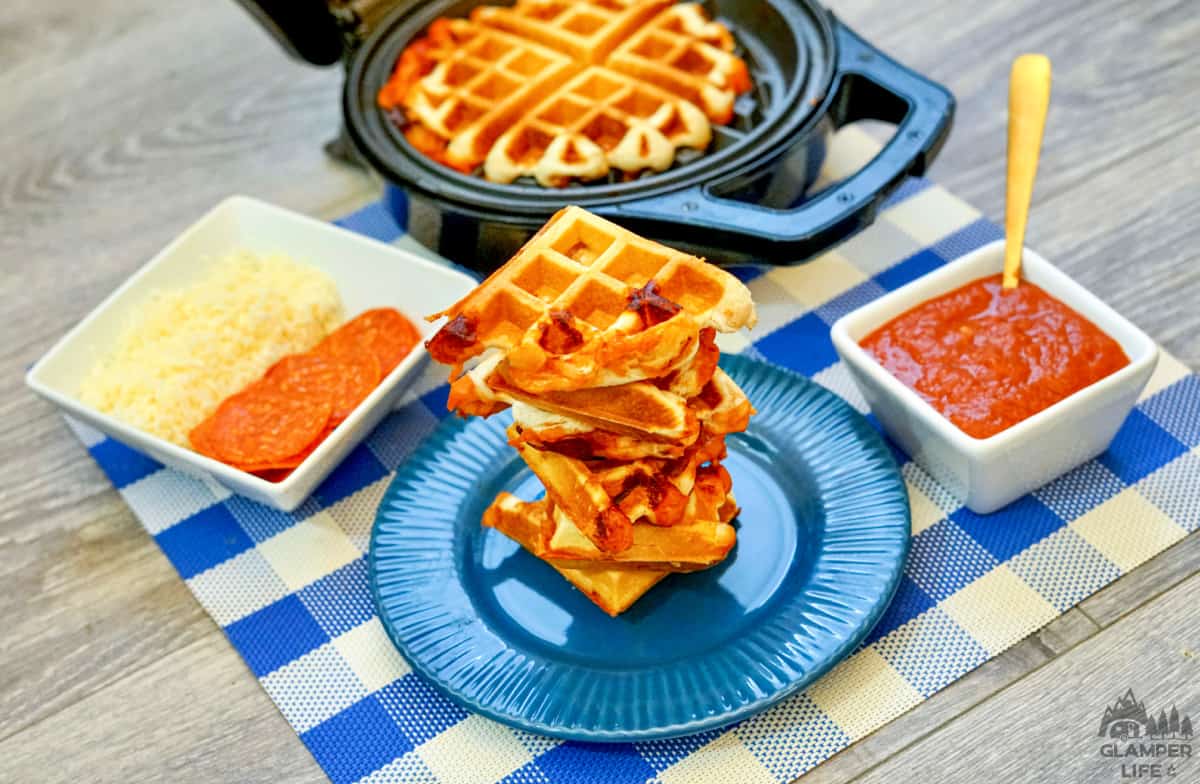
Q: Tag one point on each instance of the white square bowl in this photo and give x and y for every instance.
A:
(988, 473)
(368, 274)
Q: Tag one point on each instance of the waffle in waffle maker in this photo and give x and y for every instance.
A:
(743, 199)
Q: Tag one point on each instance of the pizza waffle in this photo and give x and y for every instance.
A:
(639, 409)
(688, 547)
(613, 590)
(668, 492)
(605, 498)
(589, 442)
(611, 288)
(586, 30)
(659, 418)
(570, 485)
(483, 80)
(686, 54)
(598, 121)
(604, 345)
(643, 431)
(648, 78)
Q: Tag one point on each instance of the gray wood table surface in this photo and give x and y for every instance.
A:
(121, 121)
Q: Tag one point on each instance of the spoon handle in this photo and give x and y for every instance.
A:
(1028, 99)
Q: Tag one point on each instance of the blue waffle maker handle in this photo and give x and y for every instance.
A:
(867, 85)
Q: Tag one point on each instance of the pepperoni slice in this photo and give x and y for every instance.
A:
(287, 464)
(346, 378)
(273, 474)
(383, 332)
(271, 426)
(261, 425)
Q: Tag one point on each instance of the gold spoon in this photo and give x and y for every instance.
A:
(1028, 99)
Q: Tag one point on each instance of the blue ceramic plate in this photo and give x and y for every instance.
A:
(822, 538)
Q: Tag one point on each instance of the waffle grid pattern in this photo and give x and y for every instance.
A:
(612, 121)
(587, 30)
(587, 270)
(472, 96)
(682, 52)
(498, 98)
(490, 69)
(290, 590)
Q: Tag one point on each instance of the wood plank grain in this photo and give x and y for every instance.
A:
(1044, 728)
(84, 604)
(1121, 74)
(1009, 667)
(1160, 574)
(199, 717)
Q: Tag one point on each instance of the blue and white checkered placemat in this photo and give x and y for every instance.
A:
(290, 590)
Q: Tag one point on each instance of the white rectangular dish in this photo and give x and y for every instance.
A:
(989, 473)
(369, 274)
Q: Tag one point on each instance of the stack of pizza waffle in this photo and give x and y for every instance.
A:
(603, 343)
(566, 89)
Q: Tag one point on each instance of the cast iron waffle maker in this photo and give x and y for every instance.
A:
(744, 200)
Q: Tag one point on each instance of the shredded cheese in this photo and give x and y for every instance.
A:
(189, 349)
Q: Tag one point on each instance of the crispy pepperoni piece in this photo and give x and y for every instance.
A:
(383, 332)
(455, 342)
(261, 425)
(414, 62)
(653, 307)
(347, 378)
(560, 335)
(576, 447)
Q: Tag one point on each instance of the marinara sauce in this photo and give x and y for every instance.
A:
(987, 358)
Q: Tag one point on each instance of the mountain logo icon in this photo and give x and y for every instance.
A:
(1128, 718)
